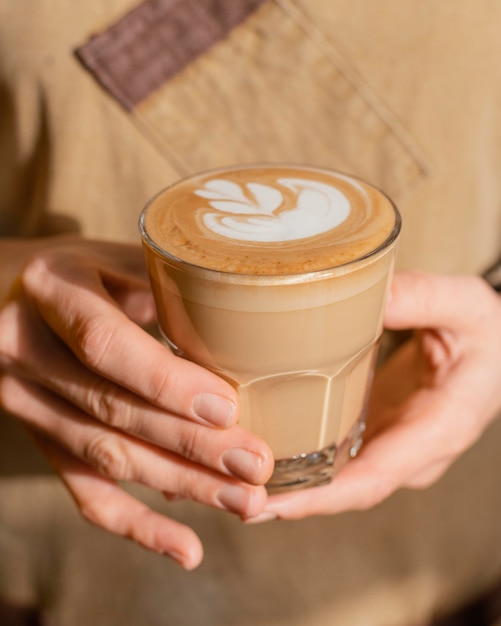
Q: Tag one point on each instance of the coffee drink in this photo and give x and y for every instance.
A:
(275, 278)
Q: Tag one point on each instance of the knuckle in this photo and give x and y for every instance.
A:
(106, 454)
(92, 336)
(36, 276)
(34, 272)
(185, 485)
(104, 401)
(190, 442)
(189, 487)
(44, 263)
(164, 385)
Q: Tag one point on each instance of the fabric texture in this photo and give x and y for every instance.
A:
(399, 93)
(157, 40)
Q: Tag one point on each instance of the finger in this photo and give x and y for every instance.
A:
(397, 457)
(234, 452)
(420, 300)
(103, 503)
(429, 475)
(134, 298)
(120, 457)
(123, 272)
(119, 257)
(361, 485)
(123, 266)
(75, 305)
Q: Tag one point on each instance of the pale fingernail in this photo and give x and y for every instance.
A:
(214, 409)
(243, 463)
(266, 516)
(232, 497)
(181, 559)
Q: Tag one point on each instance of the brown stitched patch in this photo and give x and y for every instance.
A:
(156, 40)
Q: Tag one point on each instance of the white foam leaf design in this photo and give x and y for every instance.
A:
(238, 208)
(268, 198)
(222, 189)
(229, 197)
(319, 208)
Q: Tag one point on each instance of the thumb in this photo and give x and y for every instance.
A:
(422, 300)
(132, 295)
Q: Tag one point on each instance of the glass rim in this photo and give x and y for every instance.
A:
(292, 277)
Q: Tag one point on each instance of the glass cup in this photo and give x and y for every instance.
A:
(299, 345)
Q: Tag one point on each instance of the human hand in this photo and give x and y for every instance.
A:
(108, 403)
(430, 401)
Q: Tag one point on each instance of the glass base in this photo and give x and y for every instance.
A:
(314, 469)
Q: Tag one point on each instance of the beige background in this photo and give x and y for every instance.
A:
(403, 92)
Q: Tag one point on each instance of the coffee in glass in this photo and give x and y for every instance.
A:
(275, 277)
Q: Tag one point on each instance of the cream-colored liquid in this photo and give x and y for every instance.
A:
(299, 349)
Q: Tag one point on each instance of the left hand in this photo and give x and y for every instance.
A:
(108, 404)
(430, 402)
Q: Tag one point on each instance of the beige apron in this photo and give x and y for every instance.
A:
(404, 93)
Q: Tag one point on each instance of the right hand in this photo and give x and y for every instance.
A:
(107, 402)
(431, 399)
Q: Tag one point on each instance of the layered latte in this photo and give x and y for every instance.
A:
(275, 277)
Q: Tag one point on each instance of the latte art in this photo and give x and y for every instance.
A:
(269, 220)
(275, 278)
(257, 212)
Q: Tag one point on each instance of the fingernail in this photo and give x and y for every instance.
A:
(266, 516)
(232, 497)
(243, 463)
(176, 556)
(214, 409)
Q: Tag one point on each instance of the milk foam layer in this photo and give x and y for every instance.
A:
(269, 220)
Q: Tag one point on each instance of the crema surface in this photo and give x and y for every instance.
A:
(269, 220)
